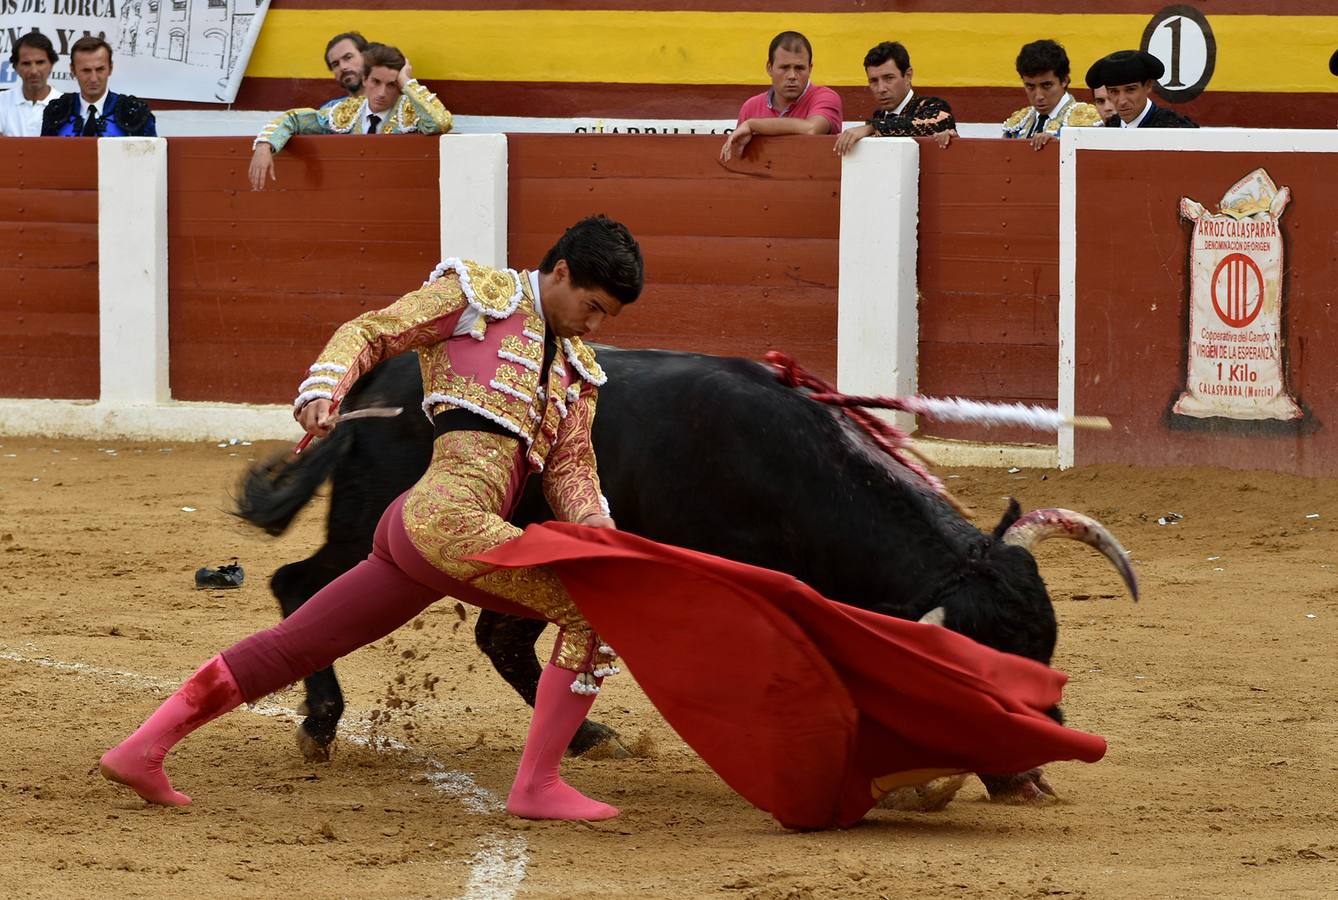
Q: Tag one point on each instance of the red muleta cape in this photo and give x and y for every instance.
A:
(812, 710)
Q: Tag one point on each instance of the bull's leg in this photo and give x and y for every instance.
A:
(1023, 787)
(508, 641)
(293, 585)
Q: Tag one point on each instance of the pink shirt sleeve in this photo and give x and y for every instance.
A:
(755, 107)
(827, 103)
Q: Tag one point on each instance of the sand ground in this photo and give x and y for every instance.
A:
(1216, 693)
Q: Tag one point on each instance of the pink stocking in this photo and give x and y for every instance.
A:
(138, 760)
(539, 792)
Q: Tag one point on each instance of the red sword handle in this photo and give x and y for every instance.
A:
(306, 438)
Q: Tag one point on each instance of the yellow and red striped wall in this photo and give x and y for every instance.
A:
(696, 59)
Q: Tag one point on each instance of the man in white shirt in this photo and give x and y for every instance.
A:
(22, 106)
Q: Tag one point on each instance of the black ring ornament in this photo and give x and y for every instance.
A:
(1164, 16)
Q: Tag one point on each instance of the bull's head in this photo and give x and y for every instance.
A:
(999, 598)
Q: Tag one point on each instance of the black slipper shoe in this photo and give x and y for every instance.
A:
(229, 576)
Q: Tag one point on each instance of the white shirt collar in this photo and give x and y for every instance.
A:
(534, 285)
(1059, 107)
(367, 113)
(905, 101)
(1147, 108)
(22, 100)
(100, 103)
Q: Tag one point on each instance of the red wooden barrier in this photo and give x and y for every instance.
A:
(49, 268)
(1133, 313)
(258, 281)
(989, 277)
(740, 258)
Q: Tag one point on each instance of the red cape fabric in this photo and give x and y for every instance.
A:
(810, 709)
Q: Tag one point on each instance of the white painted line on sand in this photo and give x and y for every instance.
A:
(496, 869)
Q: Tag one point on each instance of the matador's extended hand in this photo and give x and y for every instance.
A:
(315, 417)
(262, 166)
(599, 520)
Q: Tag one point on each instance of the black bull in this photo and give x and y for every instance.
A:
(710, 453)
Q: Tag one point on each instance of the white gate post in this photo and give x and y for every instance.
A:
(878, 323)
(474, 197)
(132, 271)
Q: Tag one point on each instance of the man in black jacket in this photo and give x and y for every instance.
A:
(900, 111)
(1129, 77)
(93, 110)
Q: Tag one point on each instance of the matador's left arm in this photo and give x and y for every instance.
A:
(433, 117)
(571, 478)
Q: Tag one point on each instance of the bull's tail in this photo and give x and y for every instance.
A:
(272, 493)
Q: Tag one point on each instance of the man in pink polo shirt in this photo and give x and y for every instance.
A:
(794, 105)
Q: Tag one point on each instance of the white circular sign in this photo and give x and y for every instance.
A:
(1181, 38)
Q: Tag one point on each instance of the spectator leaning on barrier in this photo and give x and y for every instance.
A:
(1044, 68)
(793, 105)
(1128, 77)
(93, 110)
(22, 107)
(395, 103)
(343, 57)
(900, 112)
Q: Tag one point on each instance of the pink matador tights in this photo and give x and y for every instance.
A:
(386, 590)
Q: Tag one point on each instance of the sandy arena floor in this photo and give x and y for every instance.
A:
(1216, 694)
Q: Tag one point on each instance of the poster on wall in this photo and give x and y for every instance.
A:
(1236, 367)
(161, 49)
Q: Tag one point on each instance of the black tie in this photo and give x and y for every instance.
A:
(90, 128)
(1040, 123)
(372, 122)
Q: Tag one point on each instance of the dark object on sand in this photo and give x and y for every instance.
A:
(229, 576)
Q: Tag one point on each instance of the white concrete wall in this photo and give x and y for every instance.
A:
(132, 270)
(877, 323)
(474, 197)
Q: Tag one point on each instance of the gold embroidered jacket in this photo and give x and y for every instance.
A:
(492, 369)
(1069, 112)
(418, 109)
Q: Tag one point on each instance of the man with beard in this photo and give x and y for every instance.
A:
(793, 105)
(1129, 77)
(395, 104)
(22, 107)
(343, 57)
(900, 112)
(1044, 68)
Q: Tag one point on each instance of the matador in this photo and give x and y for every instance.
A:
(511, 390)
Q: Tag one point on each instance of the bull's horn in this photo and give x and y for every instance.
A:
(933, 617)
(1040, 524)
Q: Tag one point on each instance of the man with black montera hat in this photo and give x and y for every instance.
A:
(1129, 77)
